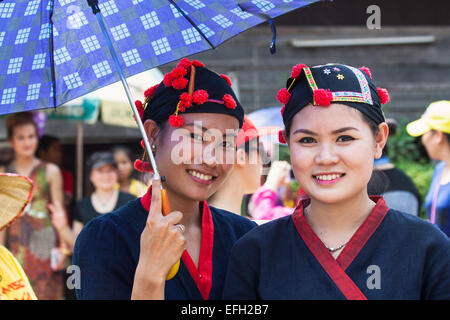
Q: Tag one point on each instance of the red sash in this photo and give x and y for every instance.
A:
(203, 275)
(335, 268)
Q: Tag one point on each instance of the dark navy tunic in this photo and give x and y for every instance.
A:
(107, 252)
(393, 255)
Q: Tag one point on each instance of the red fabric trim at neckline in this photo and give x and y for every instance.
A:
(336, 268)
(203, 275)
(364, 232)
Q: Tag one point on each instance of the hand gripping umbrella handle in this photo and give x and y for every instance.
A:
(165, 210)
(165, 201)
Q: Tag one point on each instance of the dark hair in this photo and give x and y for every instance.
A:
(448, 137)
(19, 119)
(100, 158)
(125, 150)
(392, 124)
(45, 142)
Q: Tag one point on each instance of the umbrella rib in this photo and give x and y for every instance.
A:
(52, 61)
(192, 23)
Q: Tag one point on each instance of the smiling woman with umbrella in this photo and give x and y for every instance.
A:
(128, 253)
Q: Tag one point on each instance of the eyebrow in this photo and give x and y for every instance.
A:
(306, 131)
(234, 134)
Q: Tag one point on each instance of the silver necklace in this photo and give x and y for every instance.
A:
(331, 249)
(334, 249)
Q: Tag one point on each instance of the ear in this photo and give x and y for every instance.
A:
(438, 136)
(283, 137)
(241, 158)
(381, 139)
(152, 130)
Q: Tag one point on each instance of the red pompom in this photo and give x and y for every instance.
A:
(179, 83)
(139, 108)
(323, 97)
(150, 91)
(184, 63)
(167, 80)
(142, 166)
(175, 121)
(297, 69)
(283, 96)
(186, 101)
(200, 96)
(178, 72)
(142, 144)
(384, 95)
(229, 101)
(197, 63)
(281, 137)
(282, 110)
(227, 79)
(367, 71)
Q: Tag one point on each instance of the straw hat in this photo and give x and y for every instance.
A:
(16, 192)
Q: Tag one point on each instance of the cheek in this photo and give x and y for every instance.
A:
(226, 169)
(301, 158)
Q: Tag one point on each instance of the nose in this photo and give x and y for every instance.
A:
(326, 155)
(209, 157)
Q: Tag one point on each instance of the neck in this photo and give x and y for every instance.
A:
(339, 218)
(124, 184)
(24, 160)
(104, 192)
(227, 196)
(189, 208)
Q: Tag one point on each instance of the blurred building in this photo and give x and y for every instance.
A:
(409, 55)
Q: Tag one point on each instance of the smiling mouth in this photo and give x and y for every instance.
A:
(328, 177)
(201, 176)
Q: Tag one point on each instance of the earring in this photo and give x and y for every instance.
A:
(153, 147)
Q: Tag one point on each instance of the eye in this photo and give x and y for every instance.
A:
(196, 137)
(227, 144)
(344, 138)
(307, 140)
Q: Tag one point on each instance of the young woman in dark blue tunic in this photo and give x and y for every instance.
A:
(339, 243)
(191, 119)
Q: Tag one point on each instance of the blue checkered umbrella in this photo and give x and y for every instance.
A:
(52, 51)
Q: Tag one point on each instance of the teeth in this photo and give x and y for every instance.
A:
(200, 175)
(328, 177)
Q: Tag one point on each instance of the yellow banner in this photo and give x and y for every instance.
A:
(117, 113)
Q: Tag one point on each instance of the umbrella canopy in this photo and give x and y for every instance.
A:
(54, 51)
(110, 101)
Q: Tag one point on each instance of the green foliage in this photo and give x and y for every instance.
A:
(420, 173)
(402, 147)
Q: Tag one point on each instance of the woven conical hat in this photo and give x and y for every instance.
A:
(16, 192)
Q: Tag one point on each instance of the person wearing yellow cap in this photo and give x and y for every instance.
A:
(434, 129)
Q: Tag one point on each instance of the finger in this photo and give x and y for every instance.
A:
(174, 217)
(155, 207)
